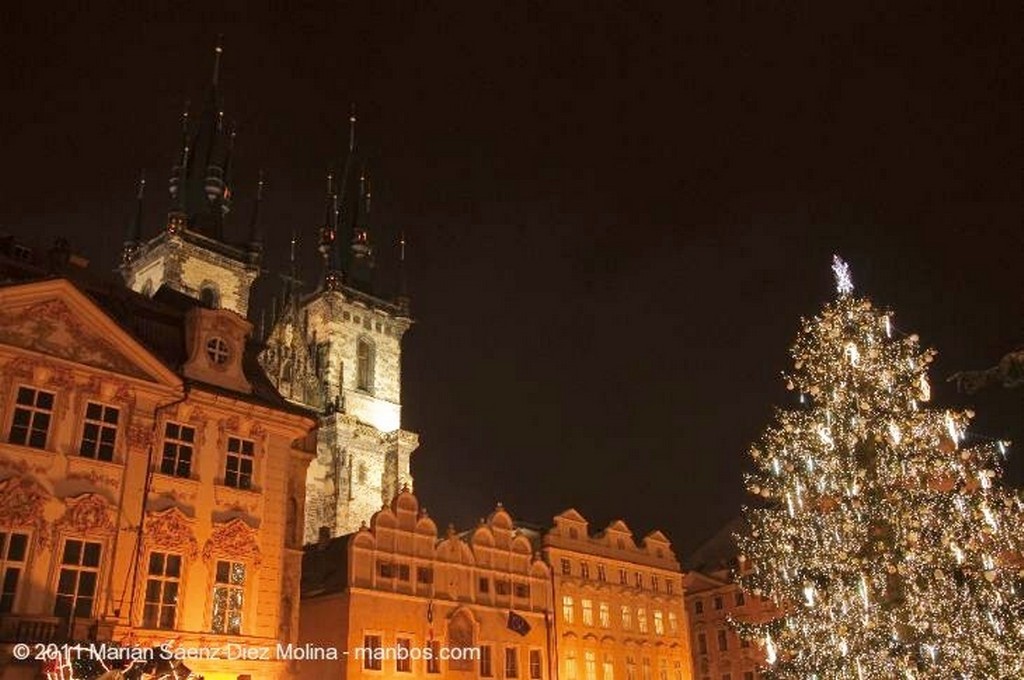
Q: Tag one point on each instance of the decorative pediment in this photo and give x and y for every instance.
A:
(87, 515)
(171, 530)
(22, 502)
(54, 318)
(235, 540)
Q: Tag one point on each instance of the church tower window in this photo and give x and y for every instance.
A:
(364, 358)
(217, 350)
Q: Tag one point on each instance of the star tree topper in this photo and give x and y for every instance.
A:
(844, 281)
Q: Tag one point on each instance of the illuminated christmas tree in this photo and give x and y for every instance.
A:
(880, 533)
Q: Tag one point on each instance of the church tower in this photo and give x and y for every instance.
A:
(190, 254)
(338, 350)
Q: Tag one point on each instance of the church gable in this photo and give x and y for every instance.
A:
(55, 318)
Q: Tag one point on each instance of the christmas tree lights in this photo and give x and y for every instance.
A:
(884, 538)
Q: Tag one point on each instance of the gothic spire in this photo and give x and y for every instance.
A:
(133, 236)
(199, 185)
(255, 229)
(402, 299)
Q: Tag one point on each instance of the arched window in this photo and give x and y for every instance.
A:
(364, 369)
(208, 296)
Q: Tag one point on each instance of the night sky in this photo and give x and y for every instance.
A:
(616, 217)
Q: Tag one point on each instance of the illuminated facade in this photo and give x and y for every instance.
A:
(396, 584)
(151, 482)
(712, 596)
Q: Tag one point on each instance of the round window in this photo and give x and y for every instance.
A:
(217, 351)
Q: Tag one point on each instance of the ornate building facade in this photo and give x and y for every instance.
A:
(619, 610)
(151, 482)
(396, 584)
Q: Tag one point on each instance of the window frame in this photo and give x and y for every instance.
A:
(102, 425)
(241, 457)
(178, 442)
(8, 563)
(32, 410)
(163, 579)
(241, 588)
(79, 568)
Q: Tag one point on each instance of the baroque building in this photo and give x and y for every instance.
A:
(151, 479)
(619, 609)
(338, 350)
(470, 605)
(713, 596)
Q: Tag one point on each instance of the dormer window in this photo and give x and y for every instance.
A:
(217, 351)
(209, 298)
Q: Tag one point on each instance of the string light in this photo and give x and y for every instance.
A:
(898, 550)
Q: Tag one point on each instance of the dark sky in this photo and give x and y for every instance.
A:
(616, 215)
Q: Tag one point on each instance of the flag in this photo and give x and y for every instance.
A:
(518, 623)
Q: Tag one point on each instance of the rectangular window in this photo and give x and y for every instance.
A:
(623, 577)
(608, 671)
(502, 587)
(718, 602)
(646, 669)
(372, 652)
(434, 660)
(568, 609)
(425, 575)
(590, 665)
(13, 550)
(162, 582)
(748, 675)
(511, 662)
(663, 669)
(403, 572)
(522, 590)
(604, 615)
(486, 670)
(566, 567)
(99, 434)
(485, 584)
(33, 410)
(627, 617)
(179, 441)
(536, 664)
(673, 623)
(641, 620)
(588, 612)
(723, 641)
(403, 655)
(228, 597)
(238, 470)
(364, 366)
(678, 667)
(638, 579)
(584, 570)
(739, 598)
(79, 574)
(702, 643)
(659, 623)
(698, 607)
(654, 582)
(571, 672)
(669, 586)
(385, 569)
(630, 668)
(601, 575)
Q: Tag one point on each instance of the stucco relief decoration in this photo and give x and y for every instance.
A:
(22, 503)
(139, 437)
(87, 514)
(94, 478)
(171, 530)
(50, 327)
(234, 539)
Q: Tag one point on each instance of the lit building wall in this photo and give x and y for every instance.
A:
(619, 610)
(395, 582)
(206, 549)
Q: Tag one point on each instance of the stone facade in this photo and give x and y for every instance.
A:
(619, 610)
(396, 583)
(194, 265)
(339, 351)
(113, 468)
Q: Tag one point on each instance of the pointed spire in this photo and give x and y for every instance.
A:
(217, 51)
(352, 128)
(133, 237)
(403, 285)
(255, 231)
